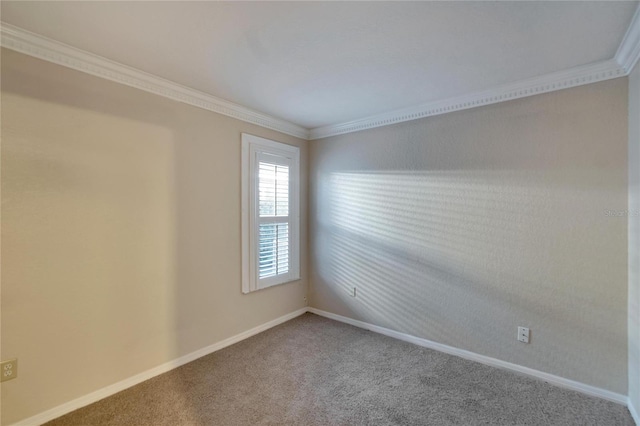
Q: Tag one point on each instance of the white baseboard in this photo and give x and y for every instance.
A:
(634, 412)
(550, 378)
(83, 401)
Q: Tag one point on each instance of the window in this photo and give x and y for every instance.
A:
(270, 213)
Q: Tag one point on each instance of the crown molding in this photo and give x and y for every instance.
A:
(41, 47)
(629, 51)
(572, 77)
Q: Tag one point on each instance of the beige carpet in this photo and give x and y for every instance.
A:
(314, 371)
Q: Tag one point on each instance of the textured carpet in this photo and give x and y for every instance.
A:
(315, 371)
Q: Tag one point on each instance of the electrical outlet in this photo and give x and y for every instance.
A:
(523, 334)
(9, 369)
(353, 292)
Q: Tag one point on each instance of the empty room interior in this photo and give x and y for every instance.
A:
(320, 213)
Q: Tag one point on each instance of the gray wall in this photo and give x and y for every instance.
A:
(634, 238)
(459, 228)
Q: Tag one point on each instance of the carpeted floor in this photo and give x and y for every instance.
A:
(315, 371)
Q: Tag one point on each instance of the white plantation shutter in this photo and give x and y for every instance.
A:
(273, 215)
(270, 210)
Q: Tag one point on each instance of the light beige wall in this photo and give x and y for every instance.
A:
(120, 233)
(634, 238)
(459, 228)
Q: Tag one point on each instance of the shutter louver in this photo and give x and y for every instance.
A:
(273, 217)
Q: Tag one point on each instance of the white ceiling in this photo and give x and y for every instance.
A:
(316, 64)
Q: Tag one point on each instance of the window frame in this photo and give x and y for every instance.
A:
(252, 147)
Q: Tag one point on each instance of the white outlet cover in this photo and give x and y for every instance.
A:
(523, 334)
(8, 369)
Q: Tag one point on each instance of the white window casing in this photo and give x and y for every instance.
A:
(270, 213)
